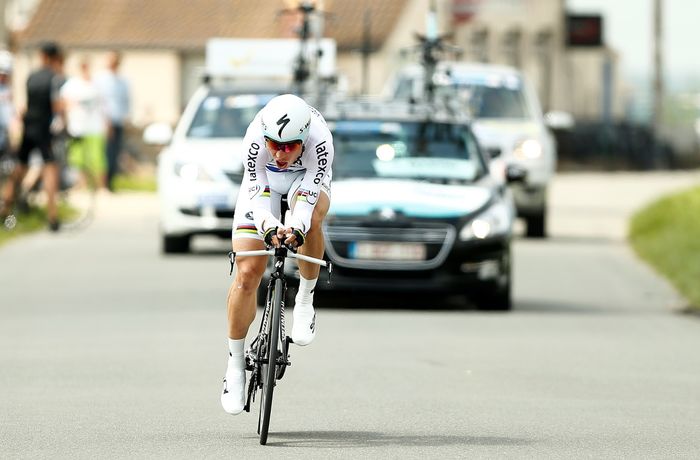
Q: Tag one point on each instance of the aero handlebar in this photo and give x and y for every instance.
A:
(271, 252)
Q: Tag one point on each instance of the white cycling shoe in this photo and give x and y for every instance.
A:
(304, 326)
(233, 393)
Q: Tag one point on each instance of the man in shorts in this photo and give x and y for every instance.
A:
(42, 100)
(289, 151)
(86, 125)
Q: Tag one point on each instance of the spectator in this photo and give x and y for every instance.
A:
(7, 108)
(115, 91)
(86, 125)
(58, 124)
(41, 107)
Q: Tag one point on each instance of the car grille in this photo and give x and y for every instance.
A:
(438, 240)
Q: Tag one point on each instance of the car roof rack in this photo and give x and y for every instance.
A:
(368, 107)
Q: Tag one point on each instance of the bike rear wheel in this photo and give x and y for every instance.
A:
(270, 369)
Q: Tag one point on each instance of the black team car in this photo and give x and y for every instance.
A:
(415, 208)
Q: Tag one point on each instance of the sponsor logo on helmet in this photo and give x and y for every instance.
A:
(305, 127)
(282, 123)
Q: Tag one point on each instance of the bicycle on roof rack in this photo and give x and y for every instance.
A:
(432, 48)
(267, 357)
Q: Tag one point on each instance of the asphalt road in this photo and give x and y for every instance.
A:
(110, 350)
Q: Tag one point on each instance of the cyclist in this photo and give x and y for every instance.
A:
(289, 151)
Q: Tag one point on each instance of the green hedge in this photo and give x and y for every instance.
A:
(667, 235)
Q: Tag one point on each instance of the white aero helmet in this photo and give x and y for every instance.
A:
(5, 62)
(286, 118)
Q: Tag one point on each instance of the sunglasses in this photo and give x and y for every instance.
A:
(285, 147)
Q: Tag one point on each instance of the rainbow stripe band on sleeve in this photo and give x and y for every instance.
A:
(303, 196)
(247, 229)
(266, 192)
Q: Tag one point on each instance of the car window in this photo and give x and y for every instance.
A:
(220, 116)
(494, 102)
(427, 150)
(484, 95)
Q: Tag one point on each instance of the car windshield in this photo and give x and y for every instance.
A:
(220, 116)
(484, 95)
(431, 151)
(493, 102)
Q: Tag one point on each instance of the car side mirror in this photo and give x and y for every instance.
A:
(158, 134)
(559, 121)
(515, 174)
(494, 152)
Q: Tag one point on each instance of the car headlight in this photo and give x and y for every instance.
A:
(496, 220)
(528, 149)
(192, 172)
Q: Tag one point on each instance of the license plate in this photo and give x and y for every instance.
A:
(387, 251)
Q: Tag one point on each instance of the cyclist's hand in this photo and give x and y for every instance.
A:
(273, 236)
(280, 236)
(294, 237)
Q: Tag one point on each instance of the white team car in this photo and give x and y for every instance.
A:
(200, 169)
(507, 119)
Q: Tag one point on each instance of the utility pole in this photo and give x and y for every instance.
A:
(657, 116)
(366, 50)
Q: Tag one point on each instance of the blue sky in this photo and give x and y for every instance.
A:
(628, 29)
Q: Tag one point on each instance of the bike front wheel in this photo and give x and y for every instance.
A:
(270, 368)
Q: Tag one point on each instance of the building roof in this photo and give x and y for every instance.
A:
(187, 24)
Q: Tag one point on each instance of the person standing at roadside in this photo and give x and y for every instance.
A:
(86, 125)
(41, 107)
(115, 91)
(7, 108)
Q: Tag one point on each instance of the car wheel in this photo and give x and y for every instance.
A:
(176, 244)
(495, 298)
(536, 225)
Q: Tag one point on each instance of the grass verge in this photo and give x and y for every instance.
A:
(34, 219)
(135, 183)
(666, 234)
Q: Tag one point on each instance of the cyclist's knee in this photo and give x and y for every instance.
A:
(318, 215)
(316, 226)
(248, 276)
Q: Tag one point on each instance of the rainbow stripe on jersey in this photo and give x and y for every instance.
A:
(247, 228)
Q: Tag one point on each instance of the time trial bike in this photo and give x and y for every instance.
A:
(267, 357)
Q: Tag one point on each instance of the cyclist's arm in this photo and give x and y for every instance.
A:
(318, 166)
